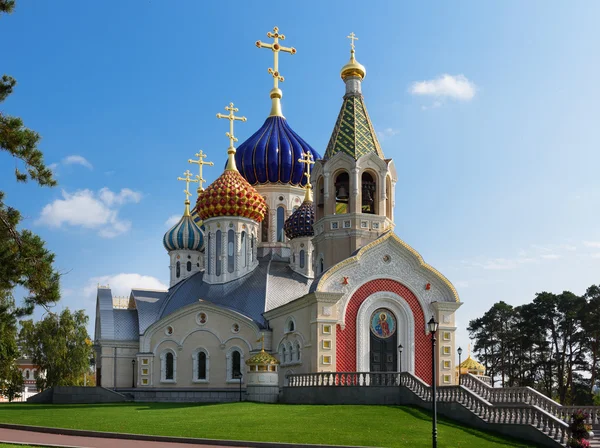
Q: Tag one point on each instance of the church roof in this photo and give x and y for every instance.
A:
(471, 364)
(186, 234)
(271, 154)
(262, 358)
(300, 223)
(353, 132)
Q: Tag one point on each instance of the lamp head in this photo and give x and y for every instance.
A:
(459, 351)
(432, 325)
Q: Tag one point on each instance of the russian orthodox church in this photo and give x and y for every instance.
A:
(287, 263)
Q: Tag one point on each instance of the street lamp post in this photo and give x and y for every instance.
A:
(133, 373)
(459, 354)
(400, 361)
(239, 376)
(433, 327)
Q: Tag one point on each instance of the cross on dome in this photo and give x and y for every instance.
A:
(307, 159)
(275, 47)
(231, 150)
(200, 162)
(187, 179)
(352, 38)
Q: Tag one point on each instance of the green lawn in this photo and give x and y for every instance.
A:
(386, 426)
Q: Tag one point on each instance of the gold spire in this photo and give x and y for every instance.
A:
(276, 93)
(262, 339)
(307, 159)
(353, 67)
(200, 162)
(231, 150)
(187, 179)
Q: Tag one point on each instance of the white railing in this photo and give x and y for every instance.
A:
(473, 400)
(529, 396)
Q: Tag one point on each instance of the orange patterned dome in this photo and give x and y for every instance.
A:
(231, 195)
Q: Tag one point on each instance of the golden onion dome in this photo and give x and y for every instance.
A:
(262, 358)
(353, 68)
(231, 195)
(471, 364)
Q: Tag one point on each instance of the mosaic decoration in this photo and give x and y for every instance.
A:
(231, 195)
(383, 323)
(353, 132)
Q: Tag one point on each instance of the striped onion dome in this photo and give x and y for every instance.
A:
(300, 223)
(271, 154)
(231, 195)
(184, 235)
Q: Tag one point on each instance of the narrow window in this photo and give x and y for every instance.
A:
(208, 258)
(283, 355)
(230, 251)
(280, 223)
(298, 351)
(265, 227)
(219, 255)
(189, 266)
(342, 185)
(252, 249)
(169, 366)
(368, 194)
(302, 257)
(235, 364)
(178, 269)
(244, 250)
(291, 326)
(201, 366)
(321, 267)
(388, 197)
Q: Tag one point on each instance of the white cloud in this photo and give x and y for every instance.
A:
(594, 244)
(91, 211)
(386, 133)
(122, 284)
(550, 256)
(445, 86)
(77, 160)
(596, 255)
(174, 219)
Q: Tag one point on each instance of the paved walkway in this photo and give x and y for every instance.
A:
(59, 440)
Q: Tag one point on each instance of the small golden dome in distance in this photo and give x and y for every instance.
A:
(353, 68)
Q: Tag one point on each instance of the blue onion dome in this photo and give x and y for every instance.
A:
(271, 154)
(300, 223)
(184, 235)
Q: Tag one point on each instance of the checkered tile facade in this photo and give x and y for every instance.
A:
(346, 338)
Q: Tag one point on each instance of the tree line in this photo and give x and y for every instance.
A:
(551, 344)
(59, 343)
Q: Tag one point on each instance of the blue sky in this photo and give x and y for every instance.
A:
(497, 160)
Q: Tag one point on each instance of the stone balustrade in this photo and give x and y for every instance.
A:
(344, 379)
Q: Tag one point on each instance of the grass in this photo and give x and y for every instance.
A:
(385, 426)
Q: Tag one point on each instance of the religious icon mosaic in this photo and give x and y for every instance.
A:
(383, 323)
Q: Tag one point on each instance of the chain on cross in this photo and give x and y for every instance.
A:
(276, 48)
(231, 117)
(187, 179)
(307, 159)
(200, 162)
(352, 38)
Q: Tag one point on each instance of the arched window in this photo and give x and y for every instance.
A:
(252, 249)
(320, 198)
(230, 251)
(321, 265)
(218, 253)
(189, 266)
(302, 259)
(168, 367)
(283, 355)
(369, 190)
(209, 254)
(200, 365)
(294, 257)
(342, 195)
(27, 374)
(244, 250)
(178, 269)
(235, 362)
(298, 353)
(265, 227)
(280, 223)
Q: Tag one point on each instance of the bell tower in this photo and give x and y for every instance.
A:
(354, 193)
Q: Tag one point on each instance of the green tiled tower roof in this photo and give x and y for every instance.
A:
(353, 132)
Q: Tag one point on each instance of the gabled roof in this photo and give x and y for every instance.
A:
(353, 132)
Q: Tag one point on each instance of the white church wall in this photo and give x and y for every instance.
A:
(216, 331)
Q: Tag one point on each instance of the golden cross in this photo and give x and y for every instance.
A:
(231, 117)
(276, 48)
(352, 38)
(187, 179)
(200, 162)
(262, 339)
(307, 159)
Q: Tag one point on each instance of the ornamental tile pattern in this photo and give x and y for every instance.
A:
(346, 338)
(353, 132)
